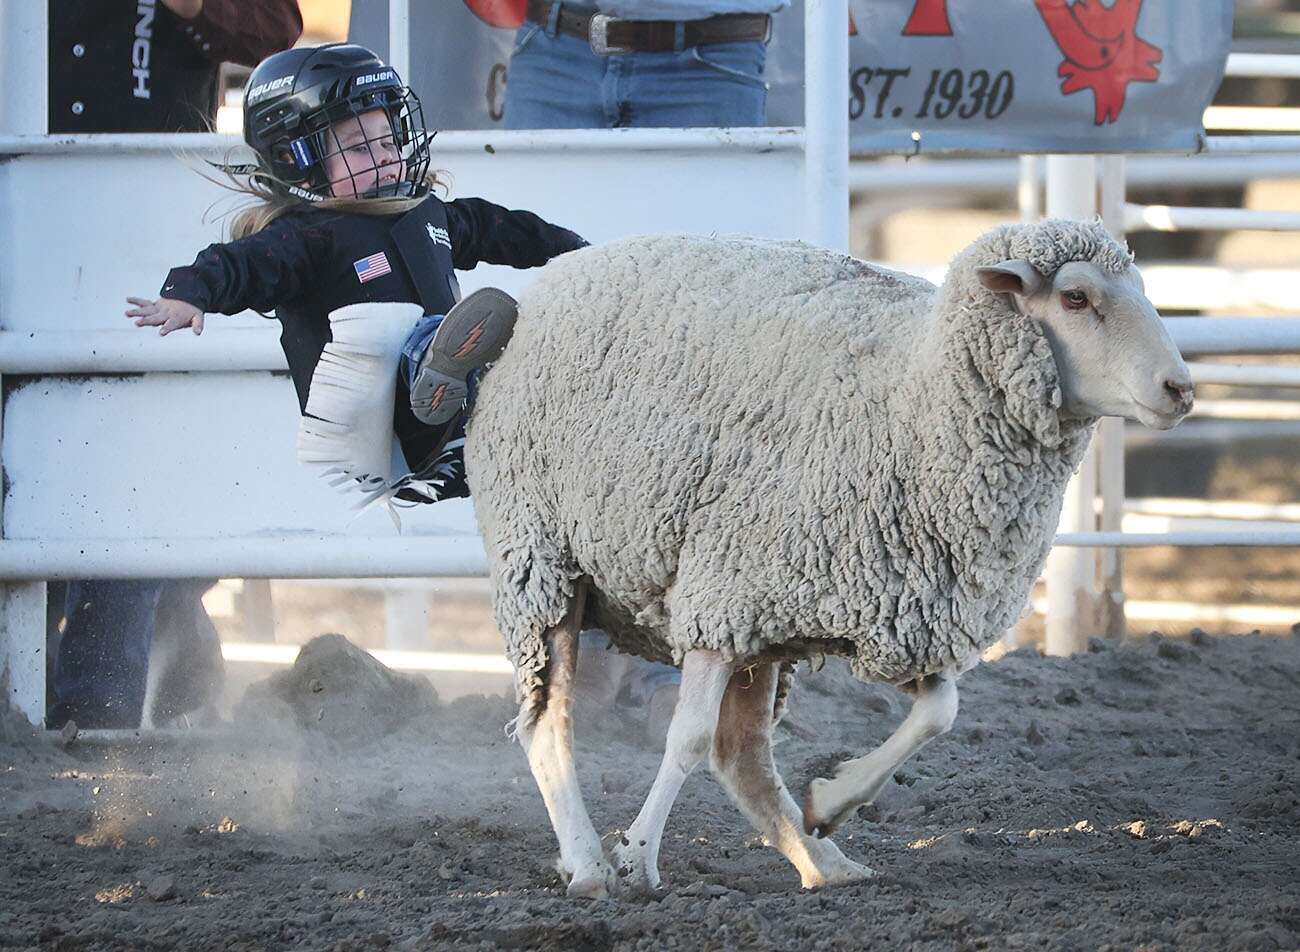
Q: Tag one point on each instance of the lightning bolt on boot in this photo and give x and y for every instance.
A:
(473, 334)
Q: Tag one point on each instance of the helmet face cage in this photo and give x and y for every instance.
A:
(340, 145)
(305, 108)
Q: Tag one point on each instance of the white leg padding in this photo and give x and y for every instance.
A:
(858, 781)
(690, 735)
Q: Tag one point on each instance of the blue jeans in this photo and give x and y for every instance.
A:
(557, 82)
(102, 666)
(417, 342)
(103, 659)
(447, 469)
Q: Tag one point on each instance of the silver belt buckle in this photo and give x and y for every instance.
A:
(598, 34)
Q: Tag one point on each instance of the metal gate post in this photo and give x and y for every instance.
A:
(23, 111)
(22, 634)
(1029, 188)
(826, 124)
(1110, 439)
(1072, 193)
(24, 63)
(399, 38)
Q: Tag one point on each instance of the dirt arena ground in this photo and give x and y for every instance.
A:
(1143, 796)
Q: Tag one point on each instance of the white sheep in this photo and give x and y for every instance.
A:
(732, 454)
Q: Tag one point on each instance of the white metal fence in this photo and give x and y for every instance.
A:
(174, 458)
(1081, 595)
(100, 474)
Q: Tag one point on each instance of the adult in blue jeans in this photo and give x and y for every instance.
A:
(638, 64)
(102, 663)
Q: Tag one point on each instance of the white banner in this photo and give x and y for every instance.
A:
(925, 76)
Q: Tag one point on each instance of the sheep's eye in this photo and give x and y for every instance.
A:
(1074, 300)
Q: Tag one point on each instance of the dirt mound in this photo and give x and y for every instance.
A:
(338, 690)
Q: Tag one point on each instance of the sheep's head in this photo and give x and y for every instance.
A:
(1113, 354)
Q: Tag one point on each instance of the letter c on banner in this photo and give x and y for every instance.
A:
(496, 92)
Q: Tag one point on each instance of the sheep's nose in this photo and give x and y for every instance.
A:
(1182, 393)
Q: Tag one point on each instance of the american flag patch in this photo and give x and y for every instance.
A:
(375, 266)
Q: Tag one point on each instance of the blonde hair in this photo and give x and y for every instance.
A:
(272, 202)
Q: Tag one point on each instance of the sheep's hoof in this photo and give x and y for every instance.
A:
(588, 887)
(815, 822)
(842, 873)
(634, 873)
(593, 879)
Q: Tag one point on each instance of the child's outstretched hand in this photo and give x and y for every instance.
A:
(170, 313)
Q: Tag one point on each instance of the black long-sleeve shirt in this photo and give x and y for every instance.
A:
(311, 262)
(134, 66)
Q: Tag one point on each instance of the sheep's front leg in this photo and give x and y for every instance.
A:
(829, 803)
(548, 741)
(742, 762)
(690, 735)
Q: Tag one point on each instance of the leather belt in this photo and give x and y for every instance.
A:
(609, 35)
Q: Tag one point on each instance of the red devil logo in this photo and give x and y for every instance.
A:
(503, 13)
(1102, 50)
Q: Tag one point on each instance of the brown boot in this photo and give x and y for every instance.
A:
(473, 333)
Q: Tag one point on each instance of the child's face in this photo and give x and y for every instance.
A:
(363, 155)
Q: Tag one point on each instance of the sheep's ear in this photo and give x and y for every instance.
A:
(1012, 277)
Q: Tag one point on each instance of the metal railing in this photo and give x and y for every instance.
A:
(25, 563)
(1070, 185)
(1071, 576)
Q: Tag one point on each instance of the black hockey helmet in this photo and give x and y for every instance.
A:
(294, 96)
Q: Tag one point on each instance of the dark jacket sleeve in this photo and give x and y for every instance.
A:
(483, 233)
(265, 269)
(245, 31)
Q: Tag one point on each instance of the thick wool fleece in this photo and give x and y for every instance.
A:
(774, 451)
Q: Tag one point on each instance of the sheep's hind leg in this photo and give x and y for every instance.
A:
(548, 741)
(743, 764)
(829, 803)
(690, 735)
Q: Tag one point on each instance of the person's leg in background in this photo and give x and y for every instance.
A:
(555, 81)
(103, 661)
(56, 594)
(186, 651)
(716, 86)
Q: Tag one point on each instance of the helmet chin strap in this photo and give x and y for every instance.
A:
(396, 190)
(254, 171)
